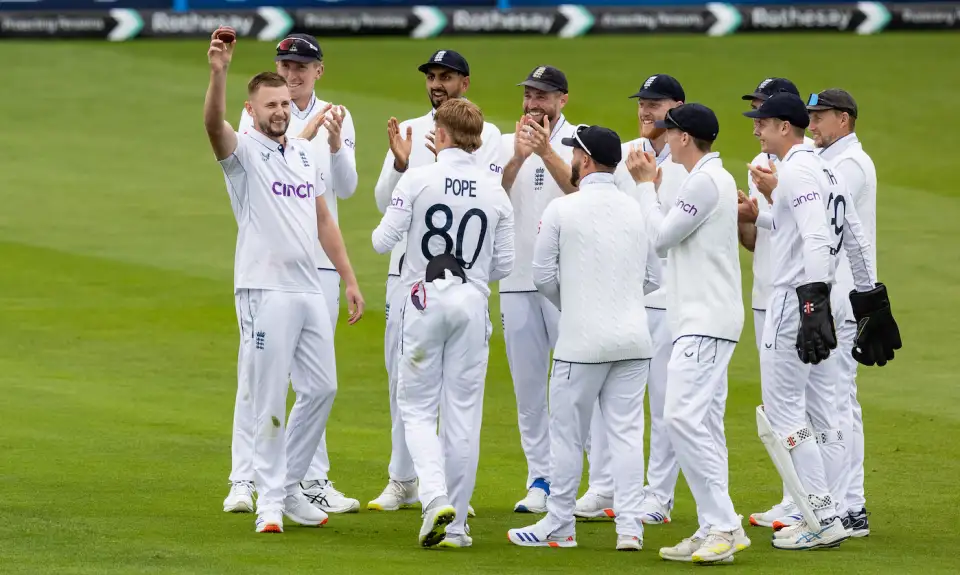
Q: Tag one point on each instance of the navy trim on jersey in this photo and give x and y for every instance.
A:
(519, 291)
(656, 308)
(792, 152)
(783, 306)
(599, 362)
(702, 335)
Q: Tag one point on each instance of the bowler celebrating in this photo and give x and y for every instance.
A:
(458, 225)
(276, 194)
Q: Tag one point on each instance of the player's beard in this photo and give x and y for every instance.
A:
(267, 127)
(439, 96)
(550, 115)
(575, 175)
(649, 130)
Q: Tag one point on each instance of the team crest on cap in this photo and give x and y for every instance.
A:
(539, 72)
(650, 81)
(764, 84)
(439, 56)
(418, 296)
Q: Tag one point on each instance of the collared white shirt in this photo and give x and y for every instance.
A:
(590, 259)
(337, 171)
(533, 189)
(451, 206)
(488, 157)
(698, 236)
(273, 190)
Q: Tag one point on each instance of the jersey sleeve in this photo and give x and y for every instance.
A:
(397, 216)
(696, 200)
(801, 189)
(546, 255)
(389, 177)
(343, 164)
(503, 246)
(234, 169)
(857, 246)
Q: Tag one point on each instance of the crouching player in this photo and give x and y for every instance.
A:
(459, 229)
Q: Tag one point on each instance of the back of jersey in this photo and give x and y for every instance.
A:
(458, 209)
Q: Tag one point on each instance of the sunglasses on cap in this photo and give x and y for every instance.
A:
(289, 44)
(576, 136)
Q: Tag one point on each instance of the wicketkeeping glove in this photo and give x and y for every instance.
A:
(817, 334)
(877, 331)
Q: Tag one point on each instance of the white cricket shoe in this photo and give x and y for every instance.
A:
(652, 512)
(536, 499)
(629, 543)
(240, 498)
(395, 495)
(828, 534)
(325, 497)
(435, 521)
(299, 510)
(537, 536)
(270, 522)
(720, 546)
(470, 511)
(684, 550)
(594, 506)
(459, 541)
(780, 511)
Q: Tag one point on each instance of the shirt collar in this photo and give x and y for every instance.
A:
(596, 178)
(306, 111)
(836, 148)
(455, 155)
(662, 156)
(561, 122)
(266, 142)
(804, 147)
(706, 158)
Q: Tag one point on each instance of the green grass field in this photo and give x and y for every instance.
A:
(118, 336)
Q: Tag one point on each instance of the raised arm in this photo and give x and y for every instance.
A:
(697, 199)
(343, 159)
(519, 150)
(396, 219)
(223, 139)
(395, 163)
(546, 256)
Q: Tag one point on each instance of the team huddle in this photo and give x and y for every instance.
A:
(619, 274)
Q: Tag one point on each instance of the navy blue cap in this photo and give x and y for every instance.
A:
(546, 78)
(601, 144)
(771, 86)
(695, 119)
(783, 106)
(661, 87)
(299, 48)
(447, 59)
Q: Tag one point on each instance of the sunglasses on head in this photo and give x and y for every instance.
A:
(576, 135)
(296, 44)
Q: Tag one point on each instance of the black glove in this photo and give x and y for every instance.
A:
(817, 334)
(877, 331)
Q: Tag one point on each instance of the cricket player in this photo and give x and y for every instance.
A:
(536, 171)
(833, 118)
(657, 95)
(447, 76)
(457, 223)
(698, 236)
(811, 220)
(590, 261)
(756, 240)
(300, 61)
(276, 193)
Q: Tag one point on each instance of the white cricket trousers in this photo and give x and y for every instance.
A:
(444, 349)
(400, 467)
(851, 494)
(285, 336)
(662, 467)
(529, 333)
(794, 391)
(759, 318)
(693, 412)
(574, 390)
(243, 416)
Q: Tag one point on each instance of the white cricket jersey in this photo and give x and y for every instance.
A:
(672, 176)
(451, 206)
(273, 191)
(589, 259)
(699, 237)
(812, 221)
(846, 157)
(488, 157)
(761, 250)
(337, 171)
(532, 190)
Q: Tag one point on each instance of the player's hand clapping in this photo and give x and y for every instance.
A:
(765, 179)
(400, 146)
(747, 208)
(537, 136)
(220, 53)
(522, 147)
(332, 123)
(642, 166)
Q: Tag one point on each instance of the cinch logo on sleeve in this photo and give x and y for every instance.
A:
(688, 208)
(496, 169)
(287, 190)
(804, 198)
(396, 202)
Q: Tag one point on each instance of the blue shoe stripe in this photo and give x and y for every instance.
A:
(541, 483)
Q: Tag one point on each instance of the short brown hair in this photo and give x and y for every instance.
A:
(463, 121)
(702, 145)
(268, 79)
